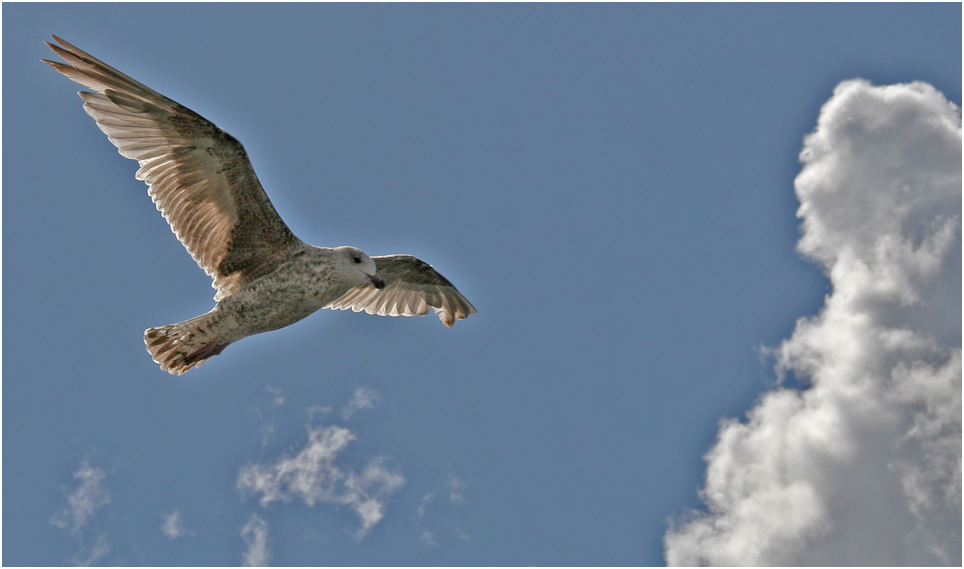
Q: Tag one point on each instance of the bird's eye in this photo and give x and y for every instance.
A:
(357, 260)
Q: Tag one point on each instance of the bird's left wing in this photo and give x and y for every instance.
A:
(412, 286)
(198, 175)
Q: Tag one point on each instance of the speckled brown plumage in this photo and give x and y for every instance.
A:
(203, 184)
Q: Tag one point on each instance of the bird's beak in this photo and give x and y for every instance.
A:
(377, 281)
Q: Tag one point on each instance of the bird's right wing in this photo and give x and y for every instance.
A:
(412, 286)
(199, 176)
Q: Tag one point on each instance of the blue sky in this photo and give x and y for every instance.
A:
(612, 186)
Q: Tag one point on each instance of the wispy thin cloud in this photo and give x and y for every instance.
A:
(427, 538)
(90, 556)
(863, 467)
(278, 396)
(256, 536)
(83, 504)
(436, 515)
(317, 410)
(313, 476)
(456, 487)
(363, 398)
(172, 526)
(267, 416)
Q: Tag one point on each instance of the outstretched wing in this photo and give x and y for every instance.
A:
(198, 175)
(412, 286)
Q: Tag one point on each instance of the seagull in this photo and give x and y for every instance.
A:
(202, 182)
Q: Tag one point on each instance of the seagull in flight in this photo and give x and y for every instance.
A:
(202, 182)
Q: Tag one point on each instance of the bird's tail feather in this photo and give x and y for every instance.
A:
(185, 345)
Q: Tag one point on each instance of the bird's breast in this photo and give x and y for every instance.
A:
(292, 292)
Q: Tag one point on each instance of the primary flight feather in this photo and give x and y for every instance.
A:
(203, 184)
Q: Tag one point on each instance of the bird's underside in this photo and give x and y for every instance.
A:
(202, 182)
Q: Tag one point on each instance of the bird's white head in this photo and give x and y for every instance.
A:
(360, 265)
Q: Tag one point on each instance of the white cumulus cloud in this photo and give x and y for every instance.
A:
(313, 476)
(256, 537)
(863, 466)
